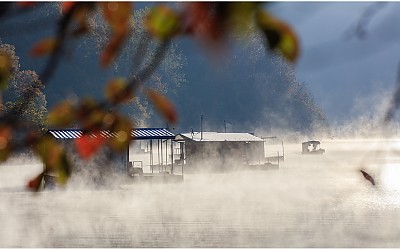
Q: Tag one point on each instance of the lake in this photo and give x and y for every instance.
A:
(311, 201)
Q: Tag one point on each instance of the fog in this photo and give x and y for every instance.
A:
(310, 201)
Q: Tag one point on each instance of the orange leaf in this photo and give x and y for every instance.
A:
(113, 47)
(5, 71)
(89, 144)
(163, 105)
(117, 14)
(44, 47)
(118, 91)
(34, 184)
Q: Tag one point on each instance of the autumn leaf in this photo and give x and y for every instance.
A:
(368, 177)
(80, 16)
(89, 144)
(118, 91)
(5, 71)
(117, 14)
(241, 16)
(34, 184)
(121, 129)
(54, 157)
(66, 6)
(44, 47)
(26, 4)
(279, 35)
(62, 115)
(205, 21)
(163, 106)
(5, 142)
(113, 47)
(162, 22)
(91, 115)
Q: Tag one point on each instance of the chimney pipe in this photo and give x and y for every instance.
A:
(201, 127)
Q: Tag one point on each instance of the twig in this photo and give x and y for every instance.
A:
(395, 102)
(360, 30)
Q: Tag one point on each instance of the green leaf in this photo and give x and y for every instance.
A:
(54, 157)
(122, 129)
(162, 22)
(280, 36)
(62, 115)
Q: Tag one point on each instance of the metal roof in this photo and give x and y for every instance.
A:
(215, 136)
(138, 134)
(311, 142)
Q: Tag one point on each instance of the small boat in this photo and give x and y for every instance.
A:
(312, 147)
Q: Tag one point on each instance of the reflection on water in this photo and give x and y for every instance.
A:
(311, 201)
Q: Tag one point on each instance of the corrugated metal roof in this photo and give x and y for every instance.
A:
(138, 134)
(215, 136)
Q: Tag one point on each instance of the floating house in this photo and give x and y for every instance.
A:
(107, 165)
(220, 151)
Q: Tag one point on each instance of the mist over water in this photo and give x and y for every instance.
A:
(311, 201)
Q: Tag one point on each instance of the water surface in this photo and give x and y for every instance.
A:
(311, 201)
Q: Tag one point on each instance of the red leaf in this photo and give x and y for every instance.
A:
(89, 144)
(66, 6)
(163, 105)
(200, 20)
(34, 184)
(26, 4)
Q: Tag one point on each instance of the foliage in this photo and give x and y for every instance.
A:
(208, 22)
(139, 52)
(23, 82)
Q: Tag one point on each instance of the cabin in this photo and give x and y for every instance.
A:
(219, 151)
(109, 167)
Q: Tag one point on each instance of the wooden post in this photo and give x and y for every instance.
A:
(172, 157)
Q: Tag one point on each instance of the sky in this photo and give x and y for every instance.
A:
(346, 75)
(338, 67)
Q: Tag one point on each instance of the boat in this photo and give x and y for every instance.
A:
(312, 147)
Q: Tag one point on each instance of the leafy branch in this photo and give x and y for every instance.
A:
(210, 23)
